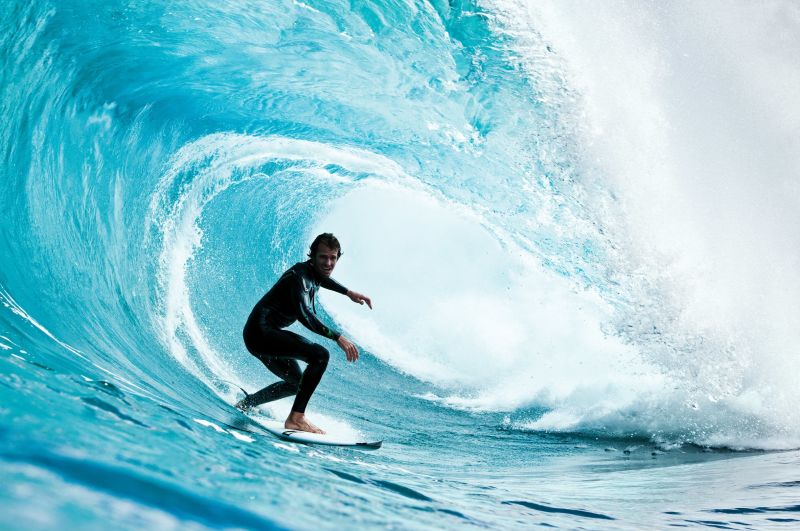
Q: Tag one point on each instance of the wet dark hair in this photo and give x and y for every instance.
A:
(327, 239)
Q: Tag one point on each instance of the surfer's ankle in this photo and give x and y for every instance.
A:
(295, 420)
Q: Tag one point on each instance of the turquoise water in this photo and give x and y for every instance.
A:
(578, 225)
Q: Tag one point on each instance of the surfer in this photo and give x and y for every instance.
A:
(291, 299)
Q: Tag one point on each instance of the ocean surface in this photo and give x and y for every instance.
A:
(579, 224)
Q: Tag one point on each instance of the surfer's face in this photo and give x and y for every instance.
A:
(325, 260)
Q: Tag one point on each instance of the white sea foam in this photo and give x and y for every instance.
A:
(688, 112)
(456, 306)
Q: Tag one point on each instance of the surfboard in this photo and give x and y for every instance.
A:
(276, 428)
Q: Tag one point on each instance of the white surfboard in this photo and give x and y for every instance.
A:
(276, 428)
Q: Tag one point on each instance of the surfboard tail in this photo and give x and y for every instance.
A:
(369, 445)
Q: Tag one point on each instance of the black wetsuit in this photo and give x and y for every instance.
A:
(290, 299)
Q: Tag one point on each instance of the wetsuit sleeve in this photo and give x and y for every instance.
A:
(305, 314)
(329, 283)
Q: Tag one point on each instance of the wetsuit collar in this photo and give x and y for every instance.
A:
(313, 271)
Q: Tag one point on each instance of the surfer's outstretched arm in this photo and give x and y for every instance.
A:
(331, 284)
(359, 298)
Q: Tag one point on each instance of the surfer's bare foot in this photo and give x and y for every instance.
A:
(298, 421)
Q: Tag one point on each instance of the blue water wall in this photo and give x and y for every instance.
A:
(576, 224)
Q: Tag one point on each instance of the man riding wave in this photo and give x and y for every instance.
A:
(291, 299)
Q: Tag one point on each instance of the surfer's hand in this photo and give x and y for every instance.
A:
(349, 348)
(359, 298)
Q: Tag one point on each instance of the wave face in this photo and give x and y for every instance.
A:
(572, 220)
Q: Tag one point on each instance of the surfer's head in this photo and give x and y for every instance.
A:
(324, 253)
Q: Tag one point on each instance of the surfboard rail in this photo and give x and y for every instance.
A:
(303, 437)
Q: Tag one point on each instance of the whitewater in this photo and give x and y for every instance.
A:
(579, 225)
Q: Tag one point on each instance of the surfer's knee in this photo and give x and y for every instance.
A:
(320, 354)
(293, 379)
